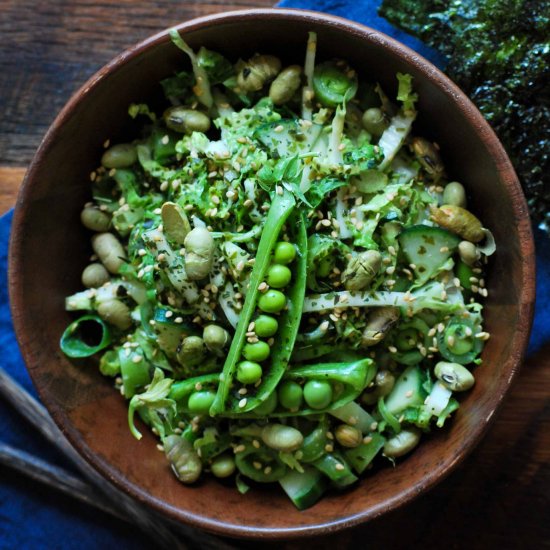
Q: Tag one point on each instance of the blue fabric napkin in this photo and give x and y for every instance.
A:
(32, 516)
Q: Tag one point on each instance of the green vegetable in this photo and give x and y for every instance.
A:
(278, 276)
(318, 394)
(265, 326)
(334, 83)
(248, 372)
(304, 488)
(284, 253)
(85, 337)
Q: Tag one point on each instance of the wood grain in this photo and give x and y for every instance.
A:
(498, 498)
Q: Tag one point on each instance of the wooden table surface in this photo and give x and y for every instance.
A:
(500, 496)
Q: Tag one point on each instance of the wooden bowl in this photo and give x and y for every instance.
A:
(49, 249)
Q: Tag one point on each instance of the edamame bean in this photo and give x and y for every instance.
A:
(185, 461)
(248, 372)
(285, 85)
(402, 443)
(258, 71)
(272, 301)
(121, 155)
(259, 351)
(282, 438)
(223, 466)
(199, 253)
(186, 121)
(95, 275)
(318, 394)
(374, 121)
(459, 221)
(109, 251)
(215, 338)
(468, 252)
(454, 193)
(361, 270)
(284, 253)
(268, 406)
(381, 320)
(201, 401)
(116, 313)
(454, 376)
(175, 223)
(348, 436)
(278, 276)
(95, 219)
(291, 395)
(428, 156)
(265, 326)
(384, 381)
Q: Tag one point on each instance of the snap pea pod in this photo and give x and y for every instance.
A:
(336, 468)
(314, 443)
(280, 210)
(289, 322)
(202, 387)
(458, 342)
(262, 465)
(347, 381)
(134, 370)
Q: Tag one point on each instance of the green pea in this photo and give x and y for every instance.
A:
(290, 395)
(268, 406)
(284, 253)
(201, 401)
(278, 276)
(272, 301)
(121, 155)
(258, 351)
(223, 465)
(265, 326)
(248, 372)
(318, 394)
(374, 121)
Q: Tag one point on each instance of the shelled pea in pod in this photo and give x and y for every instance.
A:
(272, 310)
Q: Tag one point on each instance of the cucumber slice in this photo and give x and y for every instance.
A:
(407, 392)
(353, 414)
(336, 468)
(428, 248)
(362, 456)
(170, 333)
(304, 489)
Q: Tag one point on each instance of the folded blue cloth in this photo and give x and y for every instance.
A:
(35, 517)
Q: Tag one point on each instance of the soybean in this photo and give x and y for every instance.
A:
(454, 376)
(185, 461)
(116, 313)
(428, 156)
(95, 275)
(95, 219)
(258, 71)
(361, 270)
(109, 250)
(348, 436)
(468, 252)
(199, 253)
(402, 443)
(121, 155)
(285, 85)
(282, 438)
(454, 193)
(175, 223)
(186, 121)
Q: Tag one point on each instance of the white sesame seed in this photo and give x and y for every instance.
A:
(392, 349)
(267, 470)
(137, 359)
(242, 391)
(329, 448)
(239, 449)
(242, 403)
(256, 444)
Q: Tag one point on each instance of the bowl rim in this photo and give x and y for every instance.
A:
(507, 175)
